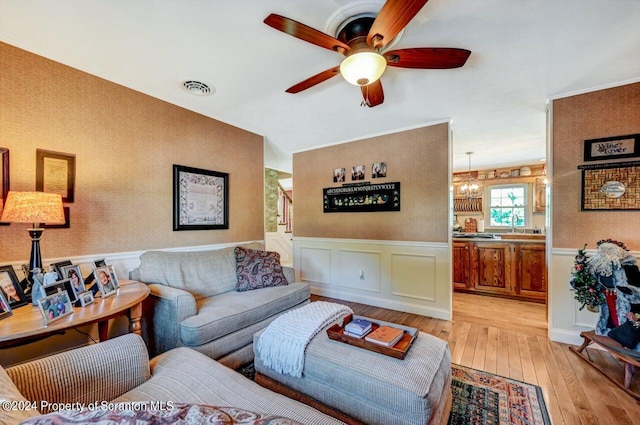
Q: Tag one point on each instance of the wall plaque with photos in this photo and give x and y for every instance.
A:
(362, 198)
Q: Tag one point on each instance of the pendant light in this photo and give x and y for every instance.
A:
(472, 188)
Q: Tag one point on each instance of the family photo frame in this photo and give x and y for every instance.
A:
(55, 306)
(76, 282)
(105, 281)
(200, 199)
(10, 287)
(5, 309)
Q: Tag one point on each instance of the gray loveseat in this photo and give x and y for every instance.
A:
(119, 371)
(194, 303)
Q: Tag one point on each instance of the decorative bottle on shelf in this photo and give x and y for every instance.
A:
(456, 225)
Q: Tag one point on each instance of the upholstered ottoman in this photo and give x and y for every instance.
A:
(371, 388)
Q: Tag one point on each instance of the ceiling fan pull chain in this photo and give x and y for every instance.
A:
(365, 98)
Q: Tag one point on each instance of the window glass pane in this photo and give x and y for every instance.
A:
(508, 204)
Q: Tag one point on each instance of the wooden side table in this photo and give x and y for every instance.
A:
(26, 323)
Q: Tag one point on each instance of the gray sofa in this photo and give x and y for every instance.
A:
(119, 371)
(194, 303)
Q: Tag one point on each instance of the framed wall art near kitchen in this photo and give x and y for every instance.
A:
(363, 197)
(617, 147)
(4, 178)
(56, 173)
(612, 186)
(200, 199)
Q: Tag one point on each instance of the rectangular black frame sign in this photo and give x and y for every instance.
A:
(362, 198)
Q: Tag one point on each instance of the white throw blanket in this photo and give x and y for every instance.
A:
(282, 344)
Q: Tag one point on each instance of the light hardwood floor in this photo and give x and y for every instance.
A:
(509, 338)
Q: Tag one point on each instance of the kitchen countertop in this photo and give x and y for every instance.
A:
(500, 237)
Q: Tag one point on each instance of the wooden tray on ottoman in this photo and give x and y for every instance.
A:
(399, 350)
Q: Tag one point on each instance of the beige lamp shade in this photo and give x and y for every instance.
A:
(33, 207)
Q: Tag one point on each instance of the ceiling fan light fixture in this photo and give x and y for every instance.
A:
(363, 68)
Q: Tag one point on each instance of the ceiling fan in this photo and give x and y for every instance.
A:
(362, 40)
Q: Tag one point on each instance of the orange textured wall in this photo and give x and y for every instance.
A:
(418, 159)
(125, 144)
(604, 113)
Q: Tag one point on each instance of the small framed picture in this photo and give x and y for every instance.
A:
(357, 172)
(55, 306)
(10, 287)
(105, 281)
(76, 281)
(378, 170)
(5, 309)
(114, 278)
(86, 298)
(338, 175)
(58, 267)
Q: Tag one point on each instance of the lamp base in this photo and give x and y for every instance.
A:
(35, 260)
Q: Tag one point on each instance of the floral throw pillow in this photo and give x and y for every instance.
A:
(258, 269)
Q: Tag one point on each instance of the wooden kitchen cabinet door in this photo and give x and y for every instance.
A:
(492, 266)
(461, 265)
(531, 270)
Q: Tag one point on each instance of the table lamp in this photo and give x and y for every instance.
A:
(36, 208)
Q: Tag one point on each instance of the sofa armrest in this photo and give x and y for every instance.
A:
(289, 274)
(102, 372)
(165, 309)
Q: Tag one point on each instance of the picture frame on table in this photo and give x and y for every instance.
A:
(5, 308)
(114, 277)
(200, 199)
(55, 306)
(90, 278)
(56, 173)
(105, 281)
(11, 288)
(76, 281)
(86, 298)
(59, 265)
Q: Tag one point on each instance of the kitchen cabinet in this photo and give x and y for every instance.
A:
(491, 267)
(531, 271)
(501, 268)
(461, 260)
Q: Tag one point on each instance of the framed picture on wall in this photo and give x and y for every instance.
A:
(612, 148)
(56, 173)
(610, 186)
(4, 178)
(200, 199)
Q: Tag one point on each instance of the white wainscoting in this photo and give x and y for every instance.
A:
(414, 277)
(566, 320)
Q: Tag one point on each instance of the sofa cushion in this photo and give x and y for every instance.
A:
(183, 375)
(258, 269)
(226, 313)
(202, 273)
(161, 414)
(18, 408)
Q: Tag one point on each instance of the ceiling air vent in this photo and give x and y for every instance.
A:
(197, 88)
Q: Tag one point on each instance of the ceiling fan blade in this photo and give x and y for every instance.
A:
(305, 33)
(427, 57)
(372, 94)
(312, 81)
(393, 17)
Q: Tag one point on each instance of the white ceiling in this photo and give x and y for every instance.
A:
(523, 53)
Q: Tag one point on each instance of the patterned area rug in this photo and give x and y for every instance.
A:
(481, 398)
